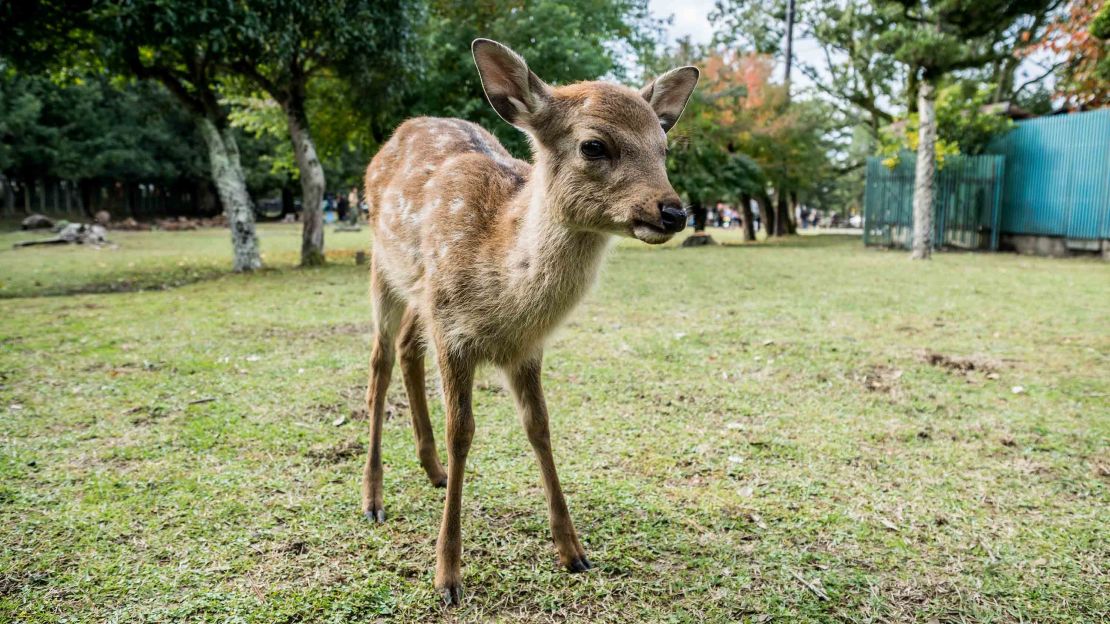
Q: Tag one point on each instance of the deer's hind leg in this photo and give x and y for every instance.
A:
(387, 316)
(411, 349)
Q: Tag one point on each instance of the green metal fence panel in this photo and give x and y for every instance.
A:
(966, 202)
(1057, 176)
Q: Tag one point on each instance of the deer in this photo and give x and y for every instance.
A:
(480, 256)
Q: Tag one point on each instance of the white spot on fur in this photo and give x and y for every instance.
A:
(456, 205)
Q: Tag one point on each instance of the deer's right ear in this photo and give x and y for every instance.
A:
(511, 88)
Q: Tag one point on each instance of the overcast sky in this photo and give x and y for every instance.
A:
(691, 17)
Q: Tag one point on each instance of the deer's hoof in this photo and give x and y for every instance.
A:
(580, 564)
(451, 594)
(440, 482)
(377, 516)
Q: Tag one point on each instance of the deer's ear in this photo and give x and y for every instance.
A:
(669, 93)
(511, 88)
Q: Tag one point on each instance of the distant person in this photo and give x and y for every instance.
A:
(341, 207)
(352, 201)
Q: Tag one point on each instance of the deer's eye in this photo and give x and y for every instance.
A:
(594, 150)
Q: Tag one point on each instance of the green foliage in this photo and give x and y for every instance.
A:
(963, 127)
(1100, 25)
(863, 80)
(92, 127)
(337, 67)
(750, 25)
(345, 137)
(940, 36)
(563, 40)
(962, 121)
(700, 166)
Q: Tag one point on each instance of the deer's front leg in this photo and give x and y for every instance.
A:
(458, 377)
(524, 379)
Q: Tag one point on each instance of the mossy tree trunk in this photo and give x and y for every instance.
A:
(231, 185)
(313, 183)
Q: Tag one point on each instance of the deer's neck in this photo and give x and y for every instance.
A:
(551, 265)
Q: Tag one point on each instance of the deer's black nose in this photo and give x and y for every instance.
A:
(672, 216)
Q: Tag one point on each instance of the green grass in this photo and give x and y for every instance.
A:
(726, 421)
(147, 260)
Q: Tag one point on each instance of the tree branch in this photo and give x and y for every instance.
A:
(250, 71)
(173, 83)
(1046, 74)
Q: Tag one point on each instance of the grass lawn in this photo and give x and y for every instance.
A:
(790, 432)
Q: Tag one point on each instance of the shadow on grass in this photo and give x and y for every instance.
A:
(150, 281)
(131, 283)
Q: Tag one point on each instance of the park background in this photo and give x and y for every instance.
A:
(833, 433)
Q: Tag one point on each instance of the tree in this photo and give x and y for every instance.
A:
(563, 40)
(933, 38)
(1079, 37)
(860, 81)
(88, 130)
(287, 44)
(176, 43)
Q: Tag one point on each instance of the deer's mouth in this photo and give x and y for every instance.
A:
(650, 233)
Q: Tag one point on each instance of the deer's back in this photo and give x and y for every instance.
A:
(437, 193)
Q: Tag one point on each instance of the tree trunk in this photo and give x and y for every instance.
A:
(9, 196)
(312, 185)
(85, 197)
(1005, 79)
(911, 90)
(794, 214)
(789, 46)
(784, 222)
(925, 172)
(767, 211)
(227, 174)
(131, 200)
(287, 205)
(746, 215)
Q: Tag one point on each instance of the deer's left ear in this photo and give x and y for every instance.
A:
(669, 93)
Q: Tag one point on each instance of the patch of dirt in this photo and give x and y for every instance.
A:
(492, 387)
(960, 364)
(318, 332)
(294, 548)
(879, 378)
(146, 414)
(336, 453)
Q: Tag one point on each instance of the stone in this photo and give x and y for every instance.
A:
(37, 222)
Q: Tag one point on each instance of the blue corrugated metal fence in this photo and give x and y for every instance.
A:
(1057, 179)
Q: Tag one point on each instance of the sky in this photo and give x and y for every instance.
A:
(691, 18)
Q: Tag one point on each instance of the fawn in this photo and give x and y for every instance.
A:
(482, 255)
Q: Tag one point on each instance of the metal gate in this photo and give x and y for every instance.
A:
(966, 202)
